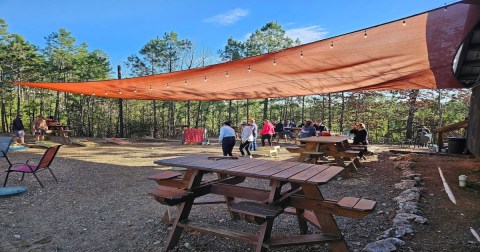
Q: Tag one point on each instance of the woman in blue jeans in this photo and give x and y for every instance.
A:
(227, 138)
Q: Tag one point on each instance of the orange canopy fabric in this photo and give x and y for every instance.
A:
(412, 53)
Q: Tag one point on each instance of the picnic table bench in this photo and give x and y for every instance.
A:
(337, 147)
(261, 206)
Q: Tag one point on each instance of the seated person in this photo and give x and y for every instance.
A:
(308, 130)
(320, 127)
(279, 129)
(50, 121)
(360, 134)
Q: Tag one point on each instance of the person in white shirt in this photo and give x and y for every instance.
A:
(253, 144)
(227, 138)
(247, 138)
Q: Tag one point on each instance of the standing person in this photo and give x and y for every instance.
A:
(39, 128)
(253, 145)
(360, 134)
(267, 132)
(247, 138)
(19, 129)
(227, 138)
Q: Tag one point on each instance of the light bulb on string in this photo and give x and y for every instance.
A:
(168, 85)
(120, 92)
(445, 8)
(226, 74)
(150, 87)
(135, 90)
(105, 92)
(249, 68)
(331, 45)
(404, 23)
(365, 35)
(205, 80)
(185, 82)
(301, 54)
(274, 62)
(93, 93)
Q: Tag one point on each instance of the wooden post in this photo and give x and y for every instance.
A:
(120, 107)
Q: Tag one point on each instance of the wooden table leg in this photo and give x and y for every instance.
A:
(229, 200)
(327, 222)
(183, 212)
(264, 234)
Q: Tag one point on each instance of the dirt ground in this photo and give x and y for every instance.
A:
(101, 204)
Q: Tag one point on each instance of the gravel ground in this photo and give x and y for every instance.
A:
(101, 204)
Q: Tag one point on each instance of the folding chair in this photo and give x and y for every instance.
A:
(44, 164)
(4, 146)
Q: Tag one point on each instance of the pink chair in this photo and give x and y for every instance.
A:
(44, 164)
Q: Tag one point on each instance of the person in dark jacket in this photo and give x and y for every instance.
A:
(360, 134)
(19, 129)
(320, 127)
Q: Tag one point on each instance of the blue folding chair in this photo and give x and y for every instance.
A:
(4, 146)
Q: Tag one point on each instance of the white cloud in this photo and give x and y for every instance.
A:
(307, 34)
(228, 17)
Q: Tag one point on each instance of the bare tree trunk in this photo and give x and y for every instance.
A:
(188, 114)
(265, 108)
(329, 111)
(197, 115)
(248, 112)
(342, 112)
(155, 121)
(473, 130)
(303, 108)
(440, 112)
(230, 110)
(412, 101)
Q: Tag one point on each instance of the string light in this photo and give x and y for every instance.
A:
(105, 92)
(150, 87)
(205, 79)
(445, 8)
(301, 54)
(404, 23)
(93, 93)
(135, 90)
(274, 62)
(226, 74)
(120, 91)
(331, 46)
(365, 35)
(168, 85)
(185, 82)
(81, 94)
(249, 68)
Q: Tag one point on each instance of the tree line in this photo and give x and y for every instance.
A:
(63, 59)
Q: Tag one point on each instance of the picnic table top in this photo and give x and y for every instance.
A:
(324, 139)
(294, 172)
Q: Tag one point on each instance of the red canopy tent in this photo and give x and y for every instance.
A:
(416, 52)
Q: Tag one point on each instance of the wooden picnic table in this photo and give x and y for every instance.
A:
(302, 198)
(60, 130)
(337, 147)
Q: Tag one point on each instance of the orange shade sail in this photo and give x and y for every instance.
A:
(412, 53)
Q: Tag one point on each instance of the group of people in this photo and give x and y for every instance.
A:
(249, 134)
(227, 137)
(39, 128)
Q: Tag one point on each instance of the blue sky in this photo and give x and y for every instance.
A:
(122, 27)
